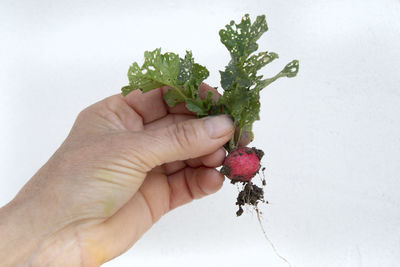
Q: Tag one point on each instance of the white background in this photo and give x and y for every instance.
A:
(331, 135)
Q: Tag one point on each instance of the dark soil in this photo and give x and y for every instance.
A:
(225, 170)
(251, 194)
(259, 153)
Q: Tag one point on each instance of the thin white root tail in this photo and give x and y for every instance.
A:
(269, 241)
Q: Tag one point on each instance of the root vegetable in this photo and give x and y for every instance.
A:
(242, 164)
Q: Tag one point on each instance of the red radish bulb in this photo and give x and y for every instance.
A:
(242, 164)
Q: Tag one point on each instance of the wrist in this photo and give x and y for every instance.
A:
(18, 236)
(26, 241)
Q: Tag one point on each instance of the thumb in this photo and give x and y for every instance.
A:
(184, 140)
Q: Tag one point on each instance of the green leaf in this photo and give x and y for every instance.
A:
(200, 106)
(157, 70)
(290, 70)
(240, 75)
(173, 97)
(241, 39)
(126, 90)
(245, 75)
(182, 75)
(195, 106)
(191, 72)
(255, 62)
(191, 75)
(240, 79)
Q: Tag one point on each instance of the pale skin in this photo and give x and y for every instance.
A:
(126, 162)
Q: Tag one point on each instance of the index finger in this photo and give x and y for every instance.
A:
(150, 105)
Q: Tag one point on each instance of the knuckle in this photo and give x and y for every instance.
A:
(88, 112)
(139, 146)
(112, 103)
(83, 113)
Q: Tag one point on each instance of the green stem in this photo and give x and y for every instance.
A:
(290, 70)
(234, 141)
(266, 82)
(239, 135)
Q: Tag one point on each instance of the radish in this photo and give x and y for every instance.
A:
(242, 164)
(241, 83)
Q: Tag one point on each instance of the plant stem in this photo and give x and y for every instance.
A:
(266, 82)
(232, 145)
(239, 135)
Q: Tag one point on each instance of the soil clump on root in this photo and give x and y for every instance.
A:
(251, 194)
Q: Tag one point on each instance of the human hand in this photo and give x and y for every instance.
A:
(126, 162)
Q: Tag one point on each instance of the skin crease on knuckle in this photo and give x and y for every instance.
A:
(136, 147)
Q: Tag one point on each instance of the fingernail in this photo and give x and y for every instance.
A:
(218, 126)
